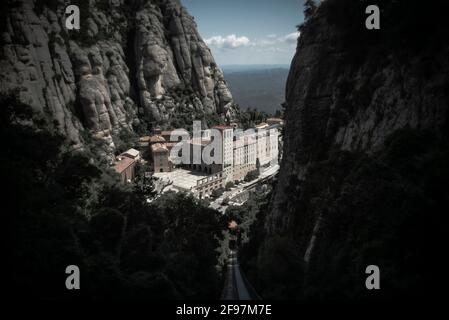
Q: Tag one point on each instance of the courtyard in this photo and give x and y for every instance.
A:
(181, 179)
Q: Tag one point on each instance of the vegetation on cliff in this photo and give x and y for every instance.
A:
(66, 208)
(388, 209)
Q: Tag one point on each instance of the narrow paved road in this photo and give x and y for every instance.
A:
(236, 286)
(217, 203)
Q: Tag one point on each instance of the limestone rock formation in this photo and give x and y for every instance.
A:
(129, 60)
(349, 89)
(364, 160)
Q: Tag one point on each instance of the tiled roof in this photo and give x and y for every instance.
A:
(144, 139)
(123, 164)
(202, 142)
(158, 148)
(261, 125)
(171, 144)
(221, 127)
(157, 138)
(132, 152)
(177, 132)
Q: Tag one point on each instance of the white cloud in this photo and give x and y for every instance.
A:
(229, 42)
(264, 42)
(272, 40)
(271, 49)
(290, 38)
(269, 43)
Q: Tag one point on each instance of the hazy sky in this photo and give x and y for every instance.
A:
(248, 31)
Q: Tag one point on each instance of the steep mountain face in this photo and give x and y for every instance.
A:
(365, 144)
(350, 88)
(131, 61)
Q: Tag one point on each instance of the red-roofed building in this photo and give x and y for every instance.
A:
(125, 168)
(143, 143)
(222, 127)
(132, 153)
(176, 133)
(271, 121)
(161, 158)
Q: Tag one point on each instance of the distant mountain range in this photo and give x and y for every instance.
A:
(257, 86)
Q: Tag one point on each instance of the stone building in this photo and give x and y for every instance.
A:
(132, 153)
(125, 164)
(227, 159)
(197, 163)
(267, 144)
(278, 121)
(273, 143)
(245, 156)
(160, 146)
(161, 158)
(237, 154)
(143, 143)
(125, 168)
(206, 185)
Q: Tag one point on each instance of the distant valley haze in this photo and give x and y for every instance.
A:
(257, 86)
(253, 42)
(248, 32)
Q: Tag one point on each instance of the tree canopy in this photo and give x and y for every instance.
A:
(65, 207)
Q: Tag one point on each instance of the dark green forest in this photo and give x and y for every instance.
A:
(389, 209)
(65, 207)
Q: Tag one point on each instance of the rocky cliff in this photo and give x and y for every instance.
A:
(365, 146)
(350, 88)
(131, 61)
